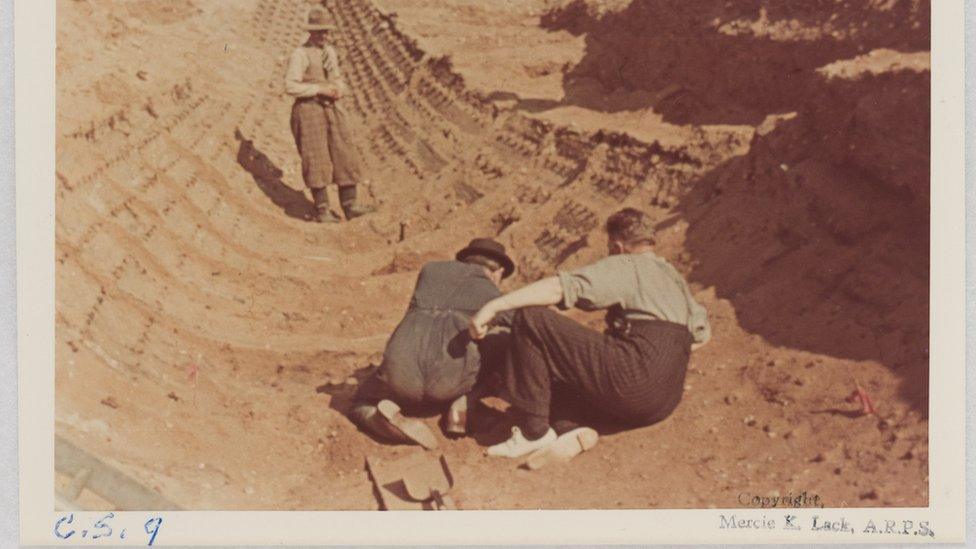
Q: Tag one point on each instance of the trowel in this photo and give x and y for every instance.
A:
(430, 482)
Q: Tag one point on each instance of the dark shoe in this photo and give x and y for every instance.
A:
(412, 429)
(355, 210)
(326, 216)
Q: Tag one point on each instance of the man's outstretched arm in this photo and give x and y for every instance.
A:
(548, 291)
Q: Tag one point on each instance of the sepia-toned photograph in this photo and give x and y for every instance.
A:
(492, 255)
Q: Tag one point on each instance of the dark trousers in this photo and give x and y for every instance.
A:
(558, 367)
(420, 390)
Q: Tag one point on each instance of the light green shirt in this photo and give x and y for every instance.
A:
(643, 285)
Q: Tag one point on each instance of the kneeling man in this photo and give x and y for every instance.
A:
(431, 359)
(632, 374)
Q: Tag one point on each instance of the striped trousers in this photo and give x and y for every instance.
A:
(325, 144)
(558, 365)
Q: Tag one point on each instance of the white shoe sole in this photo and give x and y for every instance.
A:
(413, 429)
(502, 449)
(569, 445)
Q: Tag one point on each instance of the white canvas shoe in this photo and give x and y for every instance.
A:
(518, 445)
(566, 447)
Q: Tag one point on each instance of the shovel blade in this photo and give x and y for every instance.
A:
(427, 479)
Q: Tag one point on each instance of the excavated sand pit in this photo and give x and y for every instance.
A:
(209, 337)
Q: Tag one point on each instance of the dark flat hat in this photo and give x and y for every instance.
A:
(318, 19)
(489, 248)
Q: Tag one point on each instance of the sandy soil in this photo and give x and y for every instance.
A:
(209, 337)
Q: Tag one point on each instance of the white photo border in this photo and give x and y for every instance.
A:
(34, 88)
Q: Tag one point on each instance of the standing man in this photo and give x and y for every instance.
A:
(632, 374)
(431, 360)
(318, 120)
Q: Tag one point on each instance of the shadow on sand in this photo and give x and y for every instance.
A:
(718, 62)
(267, 177)
(816, 256)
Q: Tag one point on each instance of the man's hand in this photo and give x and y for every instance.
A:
(329, 90)
(478, 326)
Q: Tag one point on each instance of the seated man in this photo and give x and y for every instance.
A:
(632, 374)
(431, 358)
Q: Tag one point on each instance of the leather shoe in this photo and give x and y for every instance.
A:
(354, 210)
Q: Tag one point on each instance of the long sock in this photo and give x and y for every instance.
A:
(321, 198)
(533, 426)
(347, 195)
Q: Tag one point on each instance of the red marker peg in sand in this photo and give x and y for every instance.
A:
(860, 395)
(191, 372)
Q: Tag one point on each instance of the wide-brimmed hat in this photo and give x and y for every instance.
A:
(489, 248)
(319, 19)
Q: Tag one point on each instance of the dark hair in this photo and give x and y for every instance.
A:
(631, 226)
(484, 261)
